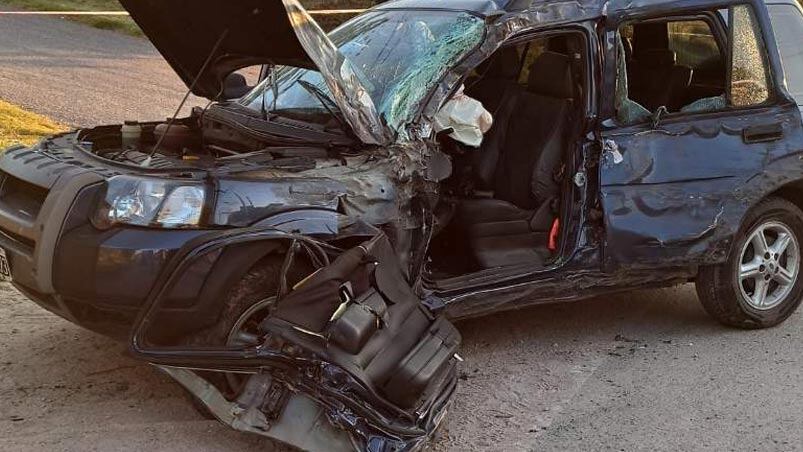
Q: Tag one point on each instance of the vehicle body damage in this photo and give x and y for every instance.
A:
(291, 256)
(349, 356)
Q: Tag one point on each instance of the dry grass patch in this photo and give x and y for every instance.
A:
(18, 126)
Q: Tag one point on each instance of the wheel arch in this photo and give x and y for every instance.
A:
(194, 301)
(219, 273)
(790, 191)
(236, 260)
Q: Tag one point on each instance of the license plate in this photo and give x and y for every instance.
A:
(5, 269)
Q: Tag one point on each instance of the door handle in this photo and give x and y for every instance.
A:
(763, 133)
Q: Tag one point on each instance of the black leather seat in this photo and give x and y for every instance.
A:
(518, 163)
(655, 78)
(498, 75)
(658, 81)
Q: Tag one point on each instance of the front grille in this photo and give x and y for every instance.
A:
(21, 198)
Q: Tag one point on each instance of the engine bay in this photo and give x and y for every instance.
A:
(220, 136)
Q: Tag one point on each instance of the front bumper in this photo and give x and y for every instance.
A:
(97, 279)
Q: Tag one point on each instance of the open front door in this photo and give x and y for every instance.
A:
(346, 358)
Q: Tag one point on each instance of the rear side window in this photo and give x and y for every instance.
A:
(677, 64)
(787, 22)
(749, 75)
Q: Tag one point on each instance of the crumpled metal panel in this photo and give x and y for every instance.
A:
(347, 90)
(303, 423)
(375, 188)
(680, 192)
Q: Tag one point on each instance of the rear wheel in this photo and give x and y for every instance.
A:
(760, 286)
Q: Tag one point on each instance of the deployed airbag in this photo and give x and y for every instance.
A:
(466, 117)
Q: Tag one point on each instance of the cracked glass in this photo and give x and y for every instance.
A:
(397, 55)
(749, 82)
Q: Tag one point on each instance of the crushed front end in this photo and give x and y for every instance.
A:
(349, 357)
(88, 222)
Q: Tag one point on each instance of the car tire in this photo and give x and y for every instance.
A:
(258, 284)
(754, 290)
(257, 288)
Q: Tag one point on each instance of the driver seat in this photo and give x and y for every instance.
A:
(518, 162)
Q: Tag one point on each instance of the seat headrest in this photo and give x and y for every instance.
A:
(504, 64)
(657, 58)
(551, 76)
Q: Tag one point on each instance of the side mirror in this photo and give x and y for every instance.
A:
(235, 86)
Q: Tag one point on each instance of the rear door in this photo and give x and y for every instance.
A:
(676, 183)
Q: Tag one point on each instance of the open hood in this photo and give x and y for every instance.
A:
(246, 33)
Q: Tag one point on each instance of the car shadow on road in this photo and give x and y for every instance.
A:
(664, 310)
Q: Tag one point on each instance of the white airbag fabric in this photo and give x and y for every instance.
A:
(467, 118)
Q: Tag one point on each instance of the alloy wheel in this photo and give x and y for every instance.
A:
(769, 265)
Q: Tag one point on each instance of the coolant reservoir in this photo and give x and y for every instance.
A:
(176, 136)
(131, 133)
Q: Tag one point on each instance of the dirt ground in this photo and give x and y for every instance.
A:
(643, 371)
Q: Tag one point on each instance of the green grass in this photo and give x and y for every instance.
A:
(117, 23)
(18, 126)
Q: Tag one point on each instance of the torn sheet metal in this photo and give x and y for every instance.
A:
(302, 423)
(314, 377)
(376, 188)
(343, 81)
(465, 117)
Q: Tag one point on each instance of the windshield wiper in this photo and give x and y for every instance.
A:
(326, 101)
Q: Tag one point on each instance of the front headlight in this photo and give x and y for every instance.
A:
(150, 202)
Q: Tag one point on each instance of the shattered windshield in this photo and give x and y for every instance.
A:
(399, 56)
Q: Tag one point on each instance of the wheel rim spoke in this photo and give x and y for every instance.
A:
(245, 338)
(750, 269)
(784, 277)
(760, 293)
(759, 242)
(781, 244)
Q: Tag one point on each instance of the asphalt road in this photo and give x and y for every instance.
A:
(81, 76)
(641, 371)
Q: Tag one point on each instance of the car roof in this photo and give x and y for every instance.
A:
(485, 7)
(476, 6)
(783, 2)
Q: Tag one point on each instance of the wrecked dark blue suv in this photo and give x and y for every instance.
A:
(292, 253)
